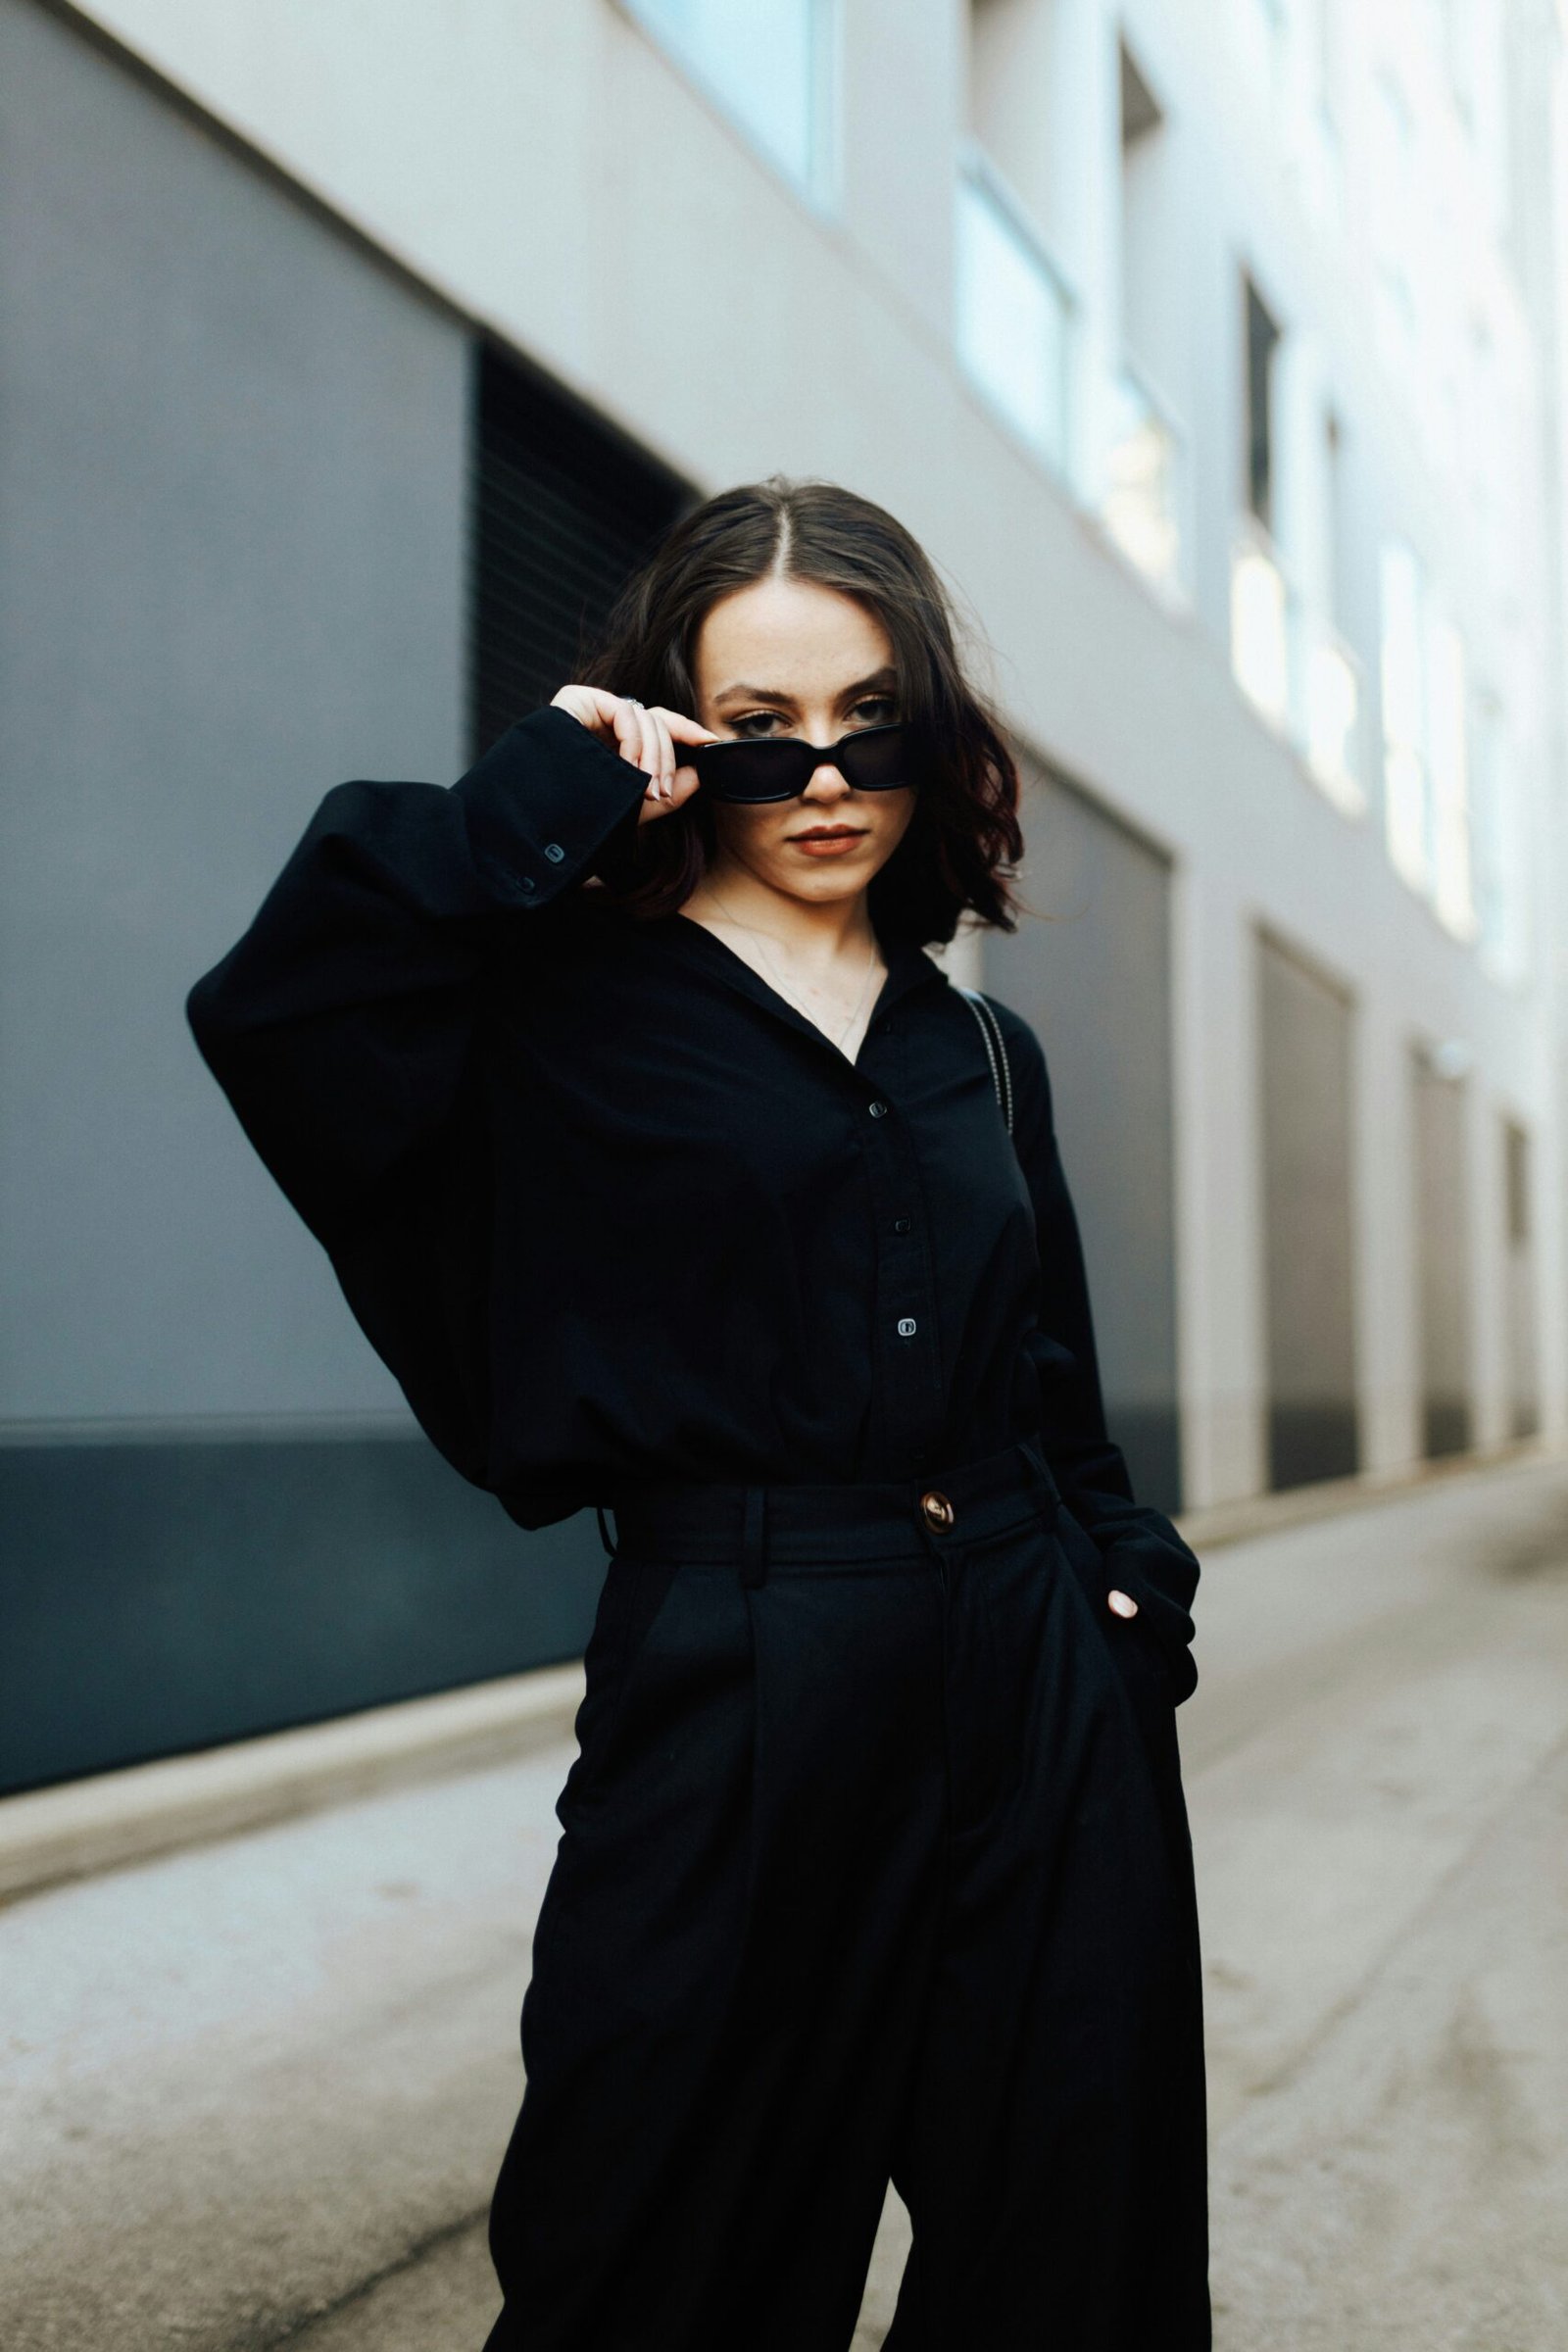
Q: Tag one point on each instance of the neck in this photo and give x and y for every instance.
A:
(817, 930)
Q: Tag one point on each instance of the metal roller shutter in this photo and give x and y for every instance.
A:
(561, 509)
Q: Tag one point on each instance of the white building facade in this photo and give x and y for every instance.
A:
(1217, 357)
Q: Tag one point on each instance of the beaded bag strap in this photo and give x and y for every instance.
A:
(995, 1048)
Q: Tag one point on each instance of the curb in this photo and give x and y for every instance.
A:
(115, 1818)
(1213, 1524)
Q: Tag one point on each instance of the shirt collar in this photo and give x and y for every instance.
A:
(908, 968)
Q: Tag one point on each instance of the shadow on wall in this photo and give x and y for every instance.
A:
(159, 1597)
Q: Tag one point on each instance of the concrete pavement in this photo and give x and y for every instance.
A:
(255, 2094)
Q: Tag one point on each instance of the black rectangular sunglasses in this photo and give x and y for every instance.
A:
(778, 767)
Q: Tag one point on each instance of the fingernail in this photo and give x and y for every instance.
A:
(1123, 1604)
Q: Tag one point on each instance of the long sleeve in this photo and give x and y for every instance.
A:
(340, 1024)
(1150, 1560)
(344, 1028)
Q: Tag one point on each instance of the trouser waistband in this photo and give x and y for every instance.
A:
(842, 1524)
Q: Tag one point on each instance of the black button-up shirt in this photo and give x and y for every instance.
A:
(610, 1207)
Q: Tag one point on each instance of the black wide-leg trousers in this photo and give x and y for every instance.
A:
(873, 1866)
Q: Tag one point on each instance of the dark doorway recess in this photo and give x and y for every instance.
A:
(1443, 1250)
(1306, 1100)
(562, 506)
(1094, 980)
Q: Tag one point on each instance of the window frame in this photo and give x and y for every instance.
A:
(821, 187)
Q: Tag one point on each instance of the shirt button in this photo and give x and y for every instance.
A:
(908, 1327)
(902, 1224)
(554, 852)
(879, 1110)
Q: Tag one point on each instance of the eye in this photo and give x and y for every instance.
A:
(873, 710)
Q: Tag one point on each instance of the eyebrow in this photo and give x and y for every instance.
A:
(886, 676)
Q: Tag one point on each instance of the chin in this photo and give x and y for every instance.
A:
(834, 882)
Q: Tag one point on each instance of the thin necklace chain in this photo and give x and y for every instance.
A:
(784, 987)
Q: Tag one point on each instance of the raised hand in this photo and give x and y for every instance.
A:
(644, 734)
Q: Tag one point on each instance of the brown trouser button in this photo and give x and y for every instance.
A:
(937, 1508)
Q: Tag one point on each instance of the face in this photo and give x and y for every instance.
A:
(789, 658)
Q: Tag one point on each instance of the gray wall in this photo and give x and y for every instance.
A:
(232, 499)
(1094, 978)
(1306, 1093)
(230, 482)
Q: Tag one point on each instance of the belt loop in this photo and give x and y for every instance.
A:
(754, 1550)
(604, 1536)
(1042, 1469)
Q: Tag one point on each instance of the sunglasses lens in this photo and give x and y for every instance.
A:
(745, 771)
(878, 758)
(777, 768)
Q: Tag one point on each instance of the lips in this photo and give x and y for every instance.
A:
(831, 833)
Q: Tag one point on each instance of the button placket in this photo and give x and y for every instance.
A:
(906, 1398)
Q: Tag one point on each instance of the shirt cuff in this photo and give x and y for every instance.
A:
(541, 802)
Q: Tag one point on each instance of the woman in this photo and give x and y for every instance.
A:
(666, 1171)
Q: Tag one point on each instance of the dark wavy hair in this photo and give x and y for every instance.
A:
(963, 839)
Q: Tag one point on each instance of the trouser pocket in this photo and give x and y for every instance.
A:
(1151, 1649)
(631, 1600)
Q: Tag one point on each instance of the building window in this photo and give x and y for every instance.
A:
(1448, 731)
(1265, 624)
(1482, 424)
(1406, 793)
(1426, 743)
(1013, 312)
(1144, 488)
(1332, 683)
(1262, 348)
(770, 65)
(560, 507)
(1498, 846)
(1395, 224)
(1319, 151)
(1140, 505)
(1458, 23)
(1286, 654)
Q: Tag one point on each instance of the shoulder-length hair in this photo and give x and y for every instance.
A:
(963, 839)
